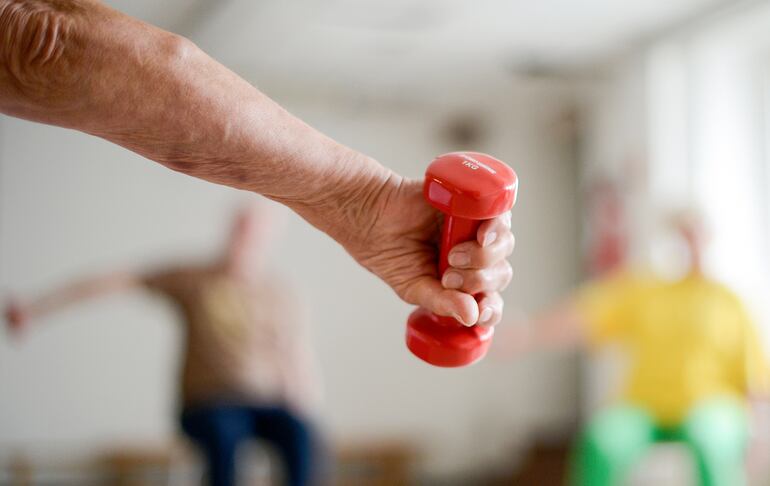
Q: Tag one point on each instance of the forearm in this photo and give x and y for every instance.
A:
(85, 66)
(554, 329)
(557, 328)
(78, 291)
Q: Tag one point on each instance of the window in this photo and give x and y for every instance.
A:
(709, 137)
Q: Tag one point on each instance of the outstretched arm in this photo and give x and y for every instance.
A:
(20, 313)
(82, 65)
(559, 327)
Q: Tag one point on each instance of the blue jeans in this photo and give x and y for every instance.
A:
(220, 428)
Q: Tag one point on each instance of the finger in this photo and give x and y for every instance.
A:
(506, 219)
(490, 229)
(428, 292)
(472, 254)
(490, 309)
(491, 279)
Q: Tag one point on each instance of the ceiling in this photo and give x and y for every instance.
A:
(390, 42)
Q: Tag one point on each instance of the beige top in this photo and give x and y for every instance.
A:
(245, 342)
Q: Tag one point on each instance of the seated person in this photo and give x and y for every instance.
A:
(693, 359)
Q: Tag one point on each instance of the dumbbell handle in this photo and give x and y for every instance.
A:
(455, 230)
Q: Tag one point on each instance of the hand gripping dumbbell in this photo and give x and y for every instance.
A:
(468, 187)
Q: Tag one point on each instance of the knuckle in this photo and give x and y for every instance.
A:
(486, 280)
(507, 277)
(508, 242)
(492, 298)
(512, 242)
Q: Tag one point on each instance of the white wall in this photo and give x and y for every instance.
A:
(104, 372)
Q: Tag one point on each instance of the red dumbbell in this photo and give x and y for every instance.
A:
(468, 187)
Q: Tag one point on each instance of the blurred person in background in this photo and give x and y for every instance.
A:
(247, 371)
(694, 359)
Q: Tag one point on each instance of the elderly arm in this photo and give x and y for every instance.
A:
(80, 64)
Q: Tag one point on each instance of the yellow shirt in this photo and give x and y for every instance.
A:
(686, 340)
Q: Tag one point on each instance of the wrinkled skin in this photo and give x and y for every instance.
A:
(81, 65)
(401, 249)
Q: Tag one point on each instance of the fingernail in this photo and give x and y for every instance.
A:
(486, 315)
(489, 238)
(452, 280)
(459, 319)
(459, 259)
(508, 219)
